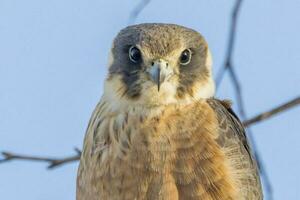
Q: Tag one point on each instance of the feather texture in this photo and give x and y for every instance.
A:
(194, 151)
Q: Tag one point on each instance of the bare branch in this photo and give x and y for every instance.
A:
(231, 42)
(137, 10)
(266, 115)
(238, 92)
(265, 177)
(52, 162)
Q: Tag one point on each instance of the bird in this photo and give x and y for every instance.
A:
(158, 131)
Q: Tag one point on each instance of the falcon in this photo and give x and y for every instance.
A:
(158, 133)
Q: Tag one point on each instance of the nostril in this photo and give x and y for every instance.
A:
(152, 63)
(167, 64)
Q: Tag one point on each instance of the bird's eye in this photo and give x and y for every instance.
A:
(134, 54)
(185, 57)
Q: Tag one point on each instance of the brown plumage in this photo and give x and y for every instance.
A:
(174, 141)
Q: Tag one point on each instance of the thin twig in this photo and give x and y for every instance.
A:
(137, 10)
(231, 42)
(265, 177)
(272, 112)
(238, 92)
(52, 162)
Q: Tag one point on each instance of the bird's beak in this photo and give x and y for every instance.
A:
(159, 71)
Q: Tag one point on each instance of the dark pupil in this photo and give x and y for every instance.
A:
(135, 54)
(185, 56)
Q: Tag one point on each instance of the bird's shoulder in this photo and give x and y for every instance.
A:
(230, 127)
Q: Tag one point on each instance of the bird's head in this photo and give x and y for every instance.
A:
(158, 64)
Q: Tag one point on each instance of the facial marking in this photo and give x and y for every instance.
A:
(170, 43)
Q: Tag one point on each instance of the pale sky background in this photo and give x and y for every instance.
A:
(53, 57)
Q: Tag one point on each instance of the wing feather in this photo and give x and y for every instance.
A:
(232, 138)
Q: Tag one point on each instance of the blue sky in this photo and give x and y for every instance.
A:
(53, 57)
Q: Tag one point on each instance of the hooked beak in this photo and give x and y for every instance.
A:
(158, 72)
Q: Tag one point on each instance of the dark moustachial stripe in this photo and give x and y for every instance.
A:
(127, 69)
(158, 41)
(193, 72)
